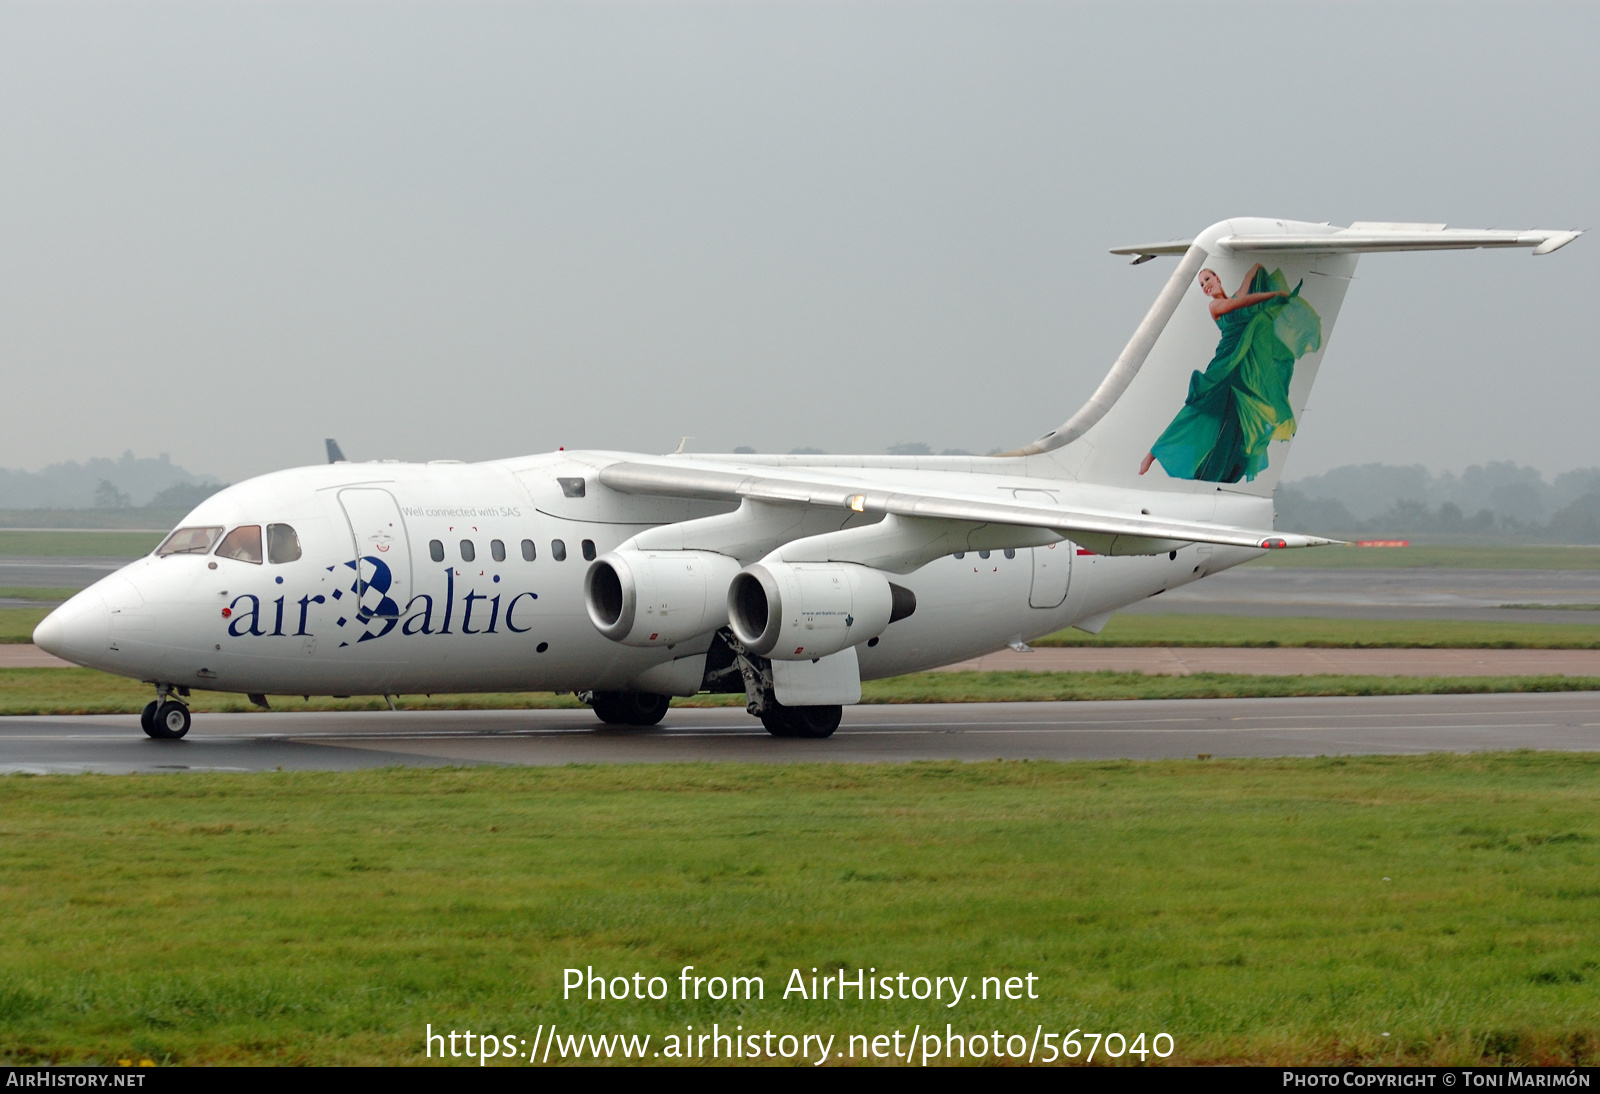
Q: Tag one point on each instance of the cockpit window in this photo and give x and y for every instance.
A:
(188, 541)
(243, 543)
(283, 545)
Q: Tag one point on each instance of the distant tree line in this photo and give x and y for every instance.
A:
(129, 482)
(1496, 499)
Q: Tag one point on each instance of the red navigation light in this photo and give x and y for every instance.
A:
(1273, 544)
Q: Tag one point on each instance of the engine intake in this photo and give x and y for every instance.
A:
(799, 611)
(657, 598)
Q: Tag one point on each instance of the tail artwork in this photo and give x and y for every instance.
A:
(1208, 393)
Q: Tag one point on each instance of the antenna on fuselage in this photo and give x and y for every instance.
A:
(334, 455)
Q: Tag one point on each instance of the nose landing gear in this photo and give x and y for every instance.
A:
(165, 718)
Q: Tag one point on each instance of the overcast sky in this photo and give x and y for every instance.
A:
(472, 231)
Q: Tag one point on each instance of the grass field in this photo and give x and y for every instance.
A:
(29, 592)
(1516, 557)
(67, 543)
(1267, 911)
(85, 691)
(1241, 630)
(16, 624)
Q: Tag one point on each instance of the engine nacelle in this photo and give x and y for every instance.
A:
(658, 598)
(798, 611)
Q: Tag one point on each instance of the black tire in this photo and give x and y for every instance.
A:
(147, 718)
(630, 708)
(776, 719)
(171, 721)
(812, 722)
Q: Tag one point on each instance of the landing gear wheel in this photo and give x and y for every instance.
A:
(169, 721)
(630, 708)
(147, 718)
(816, 722)
(812, 722)
(776, 719)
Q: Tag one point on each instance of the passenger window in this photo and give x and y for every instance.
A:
(188, 541)
(1011, 552)
(528, 553)
(468, 551)
(283, 545)
(243, 543)
(983, 554)
(435, 550)
(961, 554)
(588, 550)
(497, 550)
(558, 550)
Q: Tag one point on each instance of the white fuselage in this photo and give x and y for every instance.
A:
(516, 624)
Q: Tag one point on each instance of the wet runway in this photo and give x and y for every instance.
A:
(52, 573)
(47, 572)
(961, 731)
(1386, 594)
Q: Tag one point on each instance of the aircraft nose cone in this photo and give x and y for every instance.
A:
(50, 635)
(78, 630)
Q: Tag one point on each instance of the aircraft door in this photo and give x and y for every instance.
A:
(381, 556)
(1052, 570)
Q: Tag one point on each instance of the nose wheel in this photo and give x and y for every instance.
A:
(164, 719)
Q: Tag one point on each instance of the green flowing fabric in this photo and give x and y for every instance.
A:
(1240, 403)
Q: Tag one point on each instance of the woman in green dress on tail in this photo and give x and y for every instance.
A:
(1240, 403)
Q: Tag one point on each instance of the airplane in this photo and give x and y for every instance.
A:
(629, 578)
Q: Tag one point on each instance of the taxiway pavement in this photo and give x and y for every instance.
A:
(1418, 593)
(1145, 729)
(1288, 661)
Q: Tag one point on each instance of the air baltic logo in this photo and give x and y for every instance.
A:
(377, 613)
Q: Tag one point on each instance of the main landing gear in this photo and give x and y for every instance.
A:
(730, 659)
(814, 722)
(165, 718)
(628, 708)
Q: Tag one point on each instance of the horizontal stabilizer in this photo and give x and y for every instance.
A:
(1367, 237)
(1148, 251)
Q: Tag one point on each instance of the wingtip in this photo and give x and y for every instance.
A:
(1556, 241)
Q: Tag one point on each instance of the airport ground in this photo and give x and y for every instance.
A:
(1404, 724)
(1353, 875)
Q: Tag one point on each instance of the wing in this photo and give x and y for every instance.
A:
(1107, 532)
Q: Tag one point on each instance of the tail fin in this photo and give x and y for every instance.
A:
(1209, 391)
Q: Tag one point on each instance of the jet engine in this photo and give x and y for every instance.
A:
(799, 611)
(658, 598)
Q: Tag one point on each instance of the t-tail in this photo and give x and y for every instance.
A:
(1208, 393)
